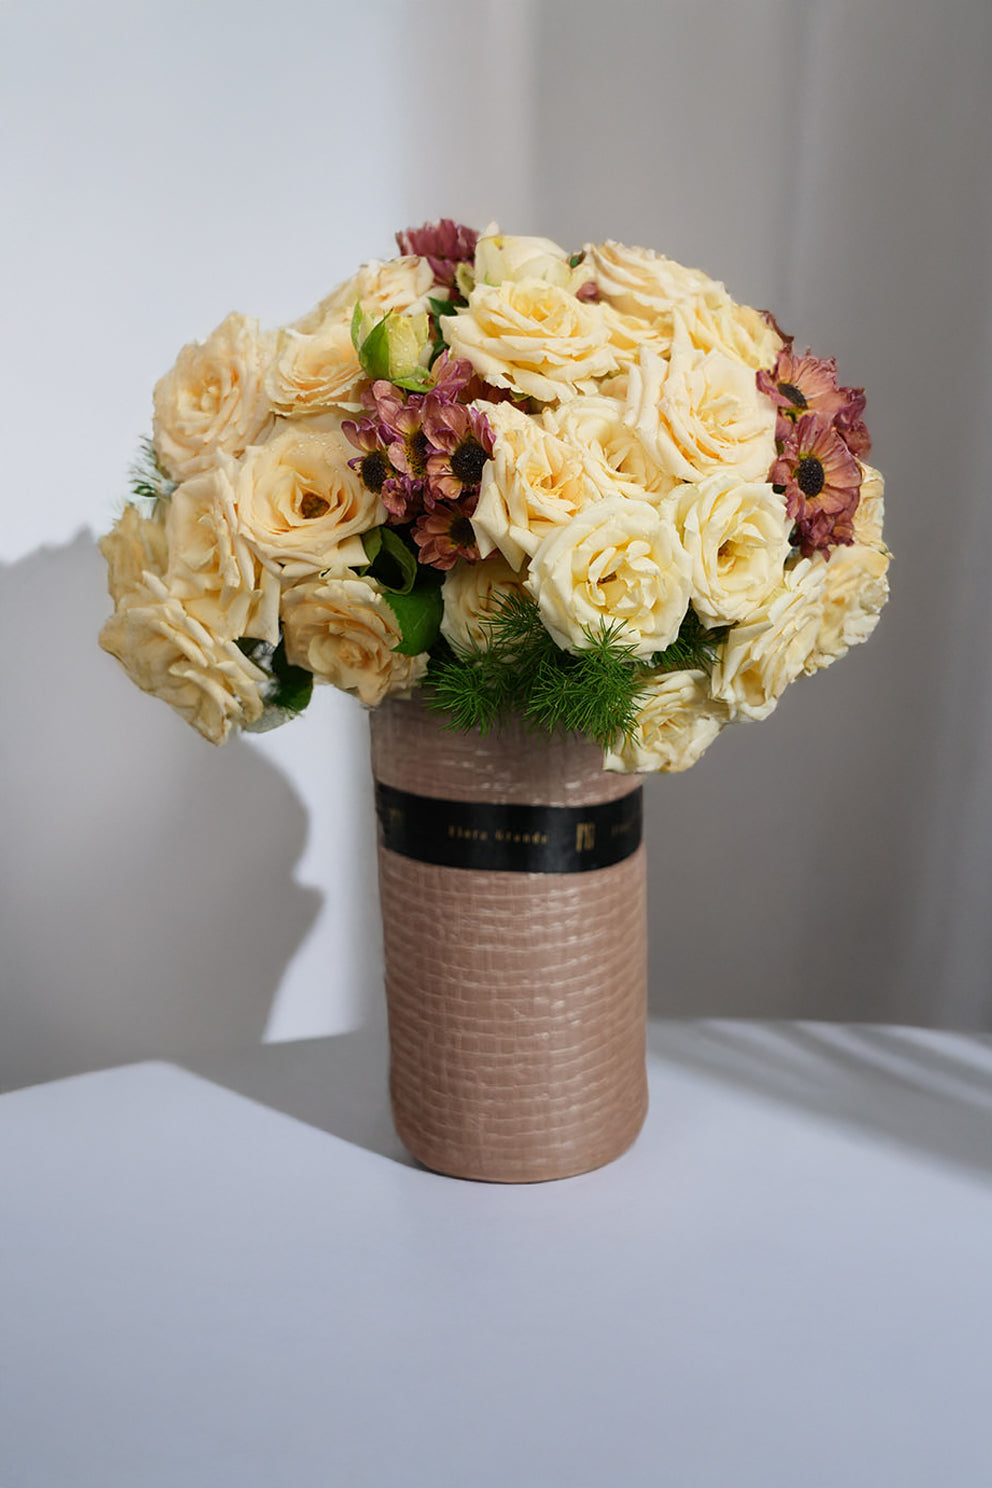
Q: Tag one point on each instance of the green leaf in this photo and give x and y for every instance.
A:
(294, 685)
(575, 260)
(417, 382)
(356, 324)
(442, 307)
(391, 561)
(289, 687)
(419, 616)
(374, 350)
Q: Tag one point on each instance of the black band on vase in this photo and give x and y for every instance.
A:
(509, 838)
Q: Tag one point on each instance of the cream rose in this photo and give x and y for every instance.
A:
(499, 257)
(761, 658)
(166, 651)
(310, 373)
(870, 514)
(595, 424)
(211, 568)
(397, 284)
(626, 335)
(134, 545)
(737, 535)
(532, 337)
(471, 595)
(344, 631)
(300, 506)
(715, 322)
(676, 722)
(534, 483)
(618, 560)
(855, 589)
(642, 283)
(213, 400)
(700, 413)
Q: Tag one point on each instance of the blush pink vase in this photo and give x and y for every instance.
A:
(517, 1000)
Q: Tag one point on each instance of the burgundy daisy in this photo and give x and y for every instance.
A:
(802, 384)
(822, 484)
(445, 534)
(462, 442)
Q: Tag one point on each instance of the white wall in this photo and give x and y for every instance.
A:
(163, 163)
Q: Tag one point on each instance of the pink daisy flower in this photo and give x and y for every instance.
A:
(850, 424)
(399, 495)
(822, 484)
(799, 385)
(462, 442)
(445, 534)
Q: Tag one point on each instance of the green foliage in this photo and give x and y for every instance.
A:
(147, 479)
(373, 352)
(391, 561)
(289, 688)
(518, 668)
(438, 308)
(419, 615)
(694, 648)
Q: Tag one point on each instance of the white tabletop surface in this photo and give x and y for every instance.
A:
(788, 1280)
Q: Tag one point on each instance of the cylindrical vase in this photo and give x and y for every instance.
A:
(512, 883)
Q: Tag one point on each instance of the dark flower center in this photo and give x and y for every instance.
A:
(809, 476)
(416, 452)
(375, 469)
(461, 533)
(467, 462)
(790, 391)
(313, 505)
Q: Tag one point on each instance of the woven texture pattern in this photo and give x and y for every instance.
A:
(517, 1001)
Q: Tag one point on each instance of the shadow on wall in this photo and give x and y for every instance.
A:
(149, 905)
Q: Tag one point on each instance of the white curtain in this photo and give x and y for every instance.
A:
(163, 164)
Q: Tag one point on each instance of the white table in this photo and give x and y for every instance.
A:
(787, 1282)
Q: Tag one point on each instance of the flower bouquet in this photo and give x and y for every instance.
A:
(502, 493)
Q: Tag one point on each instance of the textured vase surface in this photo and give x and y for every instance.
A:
(517, 1000)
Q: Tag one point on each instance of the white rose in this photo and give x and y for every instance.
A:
(534, 338)
(310, 373)
(737, 535)
(642, 283)
(676, 722)
(715, 322)
(619, 560)
(855, 589)
(471, 593)
(870, 514)
(595, 424)
(761, 658)
(397, 284)
(213, 400)
(211, 568)
(167, 652)
(499, 257)
(626, 335)
(300, 506)
(135, 544)
(700, 413)
(534, 483)
(344, 631)
(654, 291)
